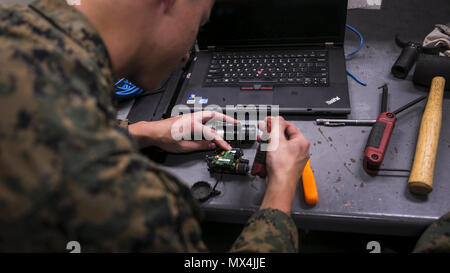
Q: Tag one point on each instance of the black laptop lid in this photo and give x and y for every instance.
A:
(247, 23)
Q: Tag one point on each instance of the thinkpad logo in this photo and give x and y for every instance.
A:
(333, 100)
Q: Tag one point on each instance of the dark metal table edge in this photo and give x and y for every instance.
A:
(395, 225)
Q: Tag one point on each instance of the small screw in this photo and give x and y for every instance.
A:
(374, 157)
(389, 115)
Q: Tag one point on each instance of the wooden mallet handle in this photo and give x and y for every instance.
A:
(421, 179)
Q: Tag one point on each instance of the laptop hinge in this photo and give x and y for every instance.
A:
(329, 44)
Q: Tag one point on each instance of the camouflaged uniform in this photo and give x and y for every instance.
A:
(67, 173)
(436, 238)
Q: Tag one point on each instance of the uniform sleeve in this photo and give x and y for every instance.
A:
(69, 174)
(268, 231)
(436, 237)
(123, 123)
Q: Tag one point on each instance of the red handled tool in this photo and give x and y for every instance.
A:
(259, 164)
(380, 135)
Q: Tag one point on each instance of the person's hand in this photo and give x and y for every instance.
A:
(287, 155)
(181, 134)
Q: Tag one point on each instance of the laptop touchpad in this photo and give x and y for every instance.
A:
(256, 97)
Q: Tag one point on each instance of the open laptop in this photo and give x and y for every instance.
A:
(287, 53)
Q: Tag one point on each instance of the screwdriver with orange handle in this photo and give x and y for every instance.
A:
(309, 185)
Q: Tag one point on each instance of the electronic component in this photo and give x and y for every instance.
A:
(230, 162)
(236, 134)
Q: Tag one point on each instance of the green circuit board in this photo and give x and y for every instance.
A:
(230, 162)
(225, 158)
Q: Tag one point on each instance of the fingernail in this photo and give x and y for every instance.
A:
(212, 145)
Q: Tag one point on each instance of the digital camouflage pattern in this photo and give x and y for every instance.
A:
(272, 231)
(67, 173)
(436, 238)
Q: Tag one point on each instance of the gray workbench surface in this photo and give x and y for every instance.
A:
(349, 199)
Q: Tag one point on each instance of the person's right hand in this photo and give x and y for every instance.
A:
(287, 155)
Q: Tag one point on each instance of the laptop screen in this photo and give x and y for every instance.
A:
(241, 23)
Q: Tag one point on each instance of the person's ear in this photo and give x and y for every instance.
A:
(167, 5)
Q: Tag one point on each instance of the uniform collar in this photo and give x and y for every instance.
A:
(75, 25)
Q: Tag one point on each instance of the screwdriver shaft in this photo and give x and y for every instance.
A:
(414, 102)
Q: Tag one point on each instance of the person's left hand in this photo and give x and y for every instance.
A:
(174, 134)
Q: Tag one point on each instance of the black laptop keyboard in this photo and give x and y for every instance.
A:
(259, 70)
